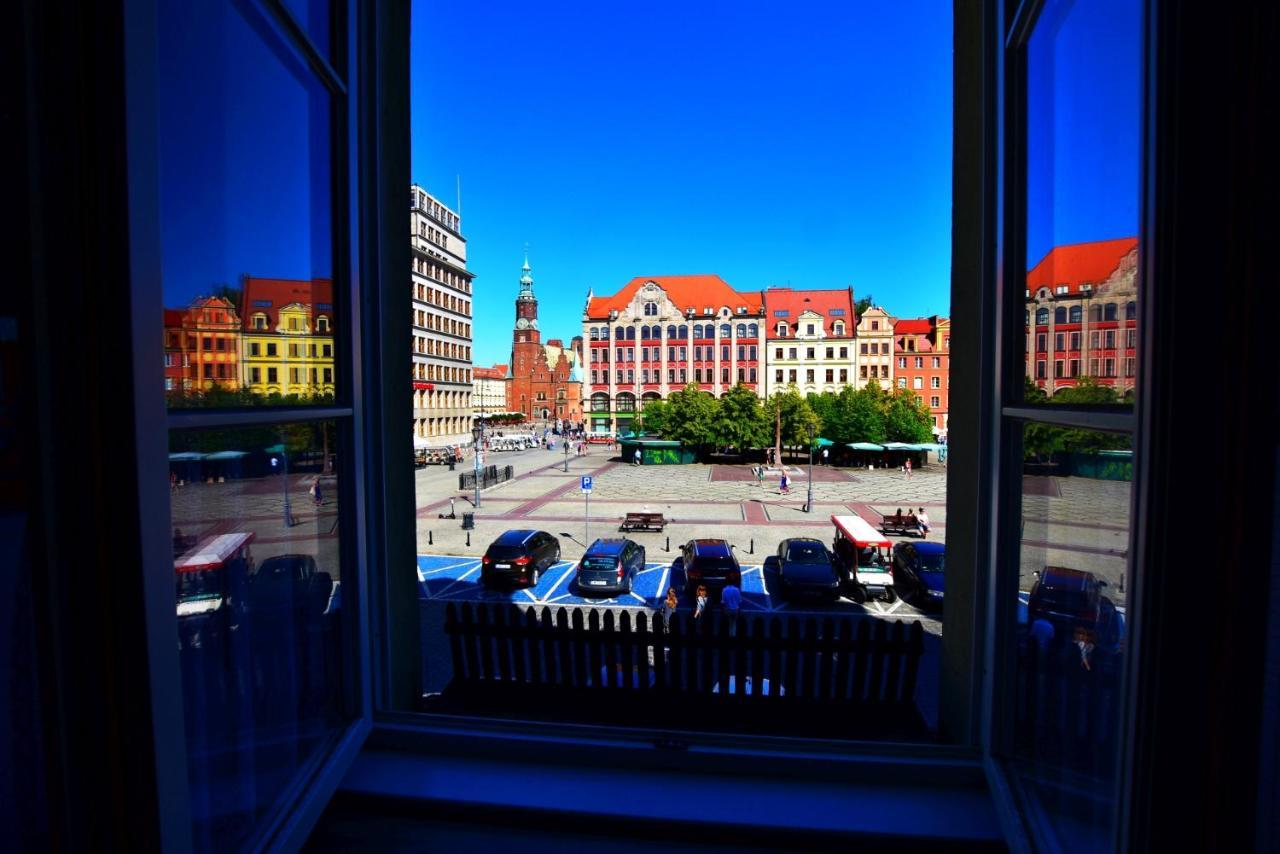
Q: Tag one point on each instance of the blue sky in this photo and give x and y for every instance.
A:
(808, 144)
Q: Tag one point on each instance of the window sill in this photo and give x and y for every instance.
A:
(929, 795)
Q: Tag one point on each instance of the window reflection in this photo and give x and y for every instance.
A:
(1083, 124)
(246, 212)
(258, 596)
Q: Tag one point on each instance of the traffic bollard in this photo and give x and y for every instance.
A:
(468, 539)
(751, 549)
(668, 542)
(431, 538)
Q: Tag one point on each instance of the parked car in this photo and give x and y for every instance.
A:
(289, 581)
(610, 566)
(1068, 597)
(807, 568)
(919, 572)
(710, 562)
(519, 556)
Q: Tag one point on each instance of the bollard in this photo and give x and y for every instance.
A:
(751, 548)
(468, 539)
(669, 547)
(431, 538)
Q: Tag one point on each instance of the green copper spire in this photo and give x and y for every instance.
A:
(526, 278)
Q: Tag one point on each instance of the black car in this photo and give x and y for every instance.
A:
(610, 566)
(710, 562)
(807, 568)
(520, 557)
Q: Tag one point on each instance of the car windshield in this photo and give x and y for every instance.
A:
(806, 553)
(195, 585)
(931, 562)
(600, 562)
(505, 552)
(1064, 600)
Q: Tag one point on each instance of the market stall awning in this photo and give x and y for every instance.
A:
(186, 457)
(227, 455)
(866, 446)
(823, 443)
(902, 446)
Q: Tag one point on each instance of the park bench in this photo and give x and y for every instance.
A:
(831, 676)
(643, 522)
(907, 523)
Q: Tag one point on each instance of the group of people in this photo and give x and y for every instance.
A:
(730, 605)
(922, 519)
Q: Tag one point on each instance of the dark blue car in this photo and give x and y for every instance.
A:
(919, 572)
(610, 566)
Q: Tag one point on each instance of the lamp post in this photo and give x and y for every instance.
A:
(808, 506)
(477, 438)
(283, 463)
(564, 439)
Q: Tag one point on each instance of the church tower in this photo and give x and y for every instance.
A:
(528, 362)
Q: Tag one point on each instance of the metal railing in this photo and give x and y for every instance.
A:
(489, 476)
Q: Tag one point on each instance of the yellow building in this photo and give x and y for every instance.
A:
(287, 344)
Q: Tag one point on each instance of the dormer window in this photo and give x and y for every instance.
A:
(837, 328)
(613, 314)
(808, 329)
(322, 324)
(651, 309)
(782, 330)
(708, 310)
(259, 321)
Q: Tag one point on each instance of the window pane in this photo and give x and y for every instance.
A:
(315, 17)
(1083, 125)
(257, 580)
(1072, 567)
(246, 213)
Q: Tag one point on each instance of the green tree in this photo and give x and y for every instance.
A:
(906, 418)
(862, 414)
(692, 418)
(741, 423)
(657, 418)
(861, 306)
(792, 417)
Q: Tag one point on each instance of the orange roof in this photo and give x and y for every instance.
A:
(270, 295)
(914, 326)
(497, 372)
(794, 302)
(1077, 263)
(173, 318)
(696, 292)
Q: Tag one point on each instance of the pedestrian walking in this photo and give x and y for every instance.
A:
(700, 603)
(908, 468)
(669, 609)
(760, 475)
(317, 494)
(636, 456)
(1084, 642)
(784, 485)
(731, 603)
(922, 519)
(826, 456)
(173, 481)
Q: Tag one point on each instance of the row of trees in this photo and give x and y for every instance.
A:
(1041, 441)
(740, 420)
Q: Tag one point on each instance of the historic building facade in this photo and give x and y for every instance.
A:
(441, 307)
(287, 336)
(1081, 316)
(922, 356)
(489, 390)
(810, 339)
(545, 381)
(875, 347)
(202, 346)
(658, 334)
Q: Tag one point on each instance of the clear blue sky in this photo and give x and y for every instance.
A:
(808, 143)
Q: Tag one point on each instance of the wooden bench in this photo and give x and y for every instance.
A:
(838, 677)
(904, 524)
(643, 522)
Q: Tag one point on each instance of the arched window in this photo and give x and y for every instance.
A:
(1042, 316)
(697, 330)
(742, 330)
(725, 330)
(782, 330)
(753, 331)
(644, 332)
(1074, 314)
(1109, 311)
(1095, 313)
(1059, 315)
(631, 333)
(322, 324)
(595, 334)
(1130, 310)
(671, 332)
(684, 332)
(604, 333)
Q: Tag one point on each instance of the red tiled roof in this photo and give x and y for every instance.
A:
(270, 295)
(696, 292)
(795, 302)
(497, 372)
(914, 326)
(1077, 263)
(173, 318)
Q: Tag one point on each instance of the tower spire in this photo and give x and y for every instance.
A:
(526, 277)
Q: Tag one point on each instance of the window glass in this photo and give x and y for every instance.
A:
(246, 208)
(257, 585)
(1071, 632)
(1083, 125)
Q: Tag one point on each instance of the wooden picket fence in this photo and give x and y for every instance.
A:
(553, 661)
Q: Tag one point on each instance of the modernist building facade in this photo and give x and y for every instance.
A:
(441, 307)
(1081, 316)
(875, 347)
(287, 336)
(659, 333)
(810, 339)
(545, 380)
(922, 356)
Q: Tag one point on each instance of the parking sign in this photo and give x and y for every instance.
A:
(586, 483)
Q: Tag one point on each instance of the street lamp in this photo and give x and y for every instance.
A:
(808, 507)
(564, 439)
(477, 438)
(282, 462)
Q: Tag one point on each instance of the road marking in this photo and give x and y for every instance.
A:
(426, 572)
(454, 583)
(553, 587)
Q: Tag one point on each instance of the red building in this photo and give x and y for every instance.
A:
(202, 346)
(658, 334)
(1081, 317)
(922, 356)
(545, 382)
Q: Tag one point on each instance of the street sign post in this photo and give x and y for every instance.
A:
(587, 485)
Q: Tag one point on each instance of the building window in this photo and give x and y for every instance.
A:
(724, 375)
(742, 353)
(791, 375)
(831, 375)
(919, 361)
(808, 329)
(935, 401)
(862, 371)
(875, 326)
(935, 382)
(1110, 338)
(271, 376)
(782, 330)
(884, 348)
(1040, 369)
(777, 375)
(917, 382)
(1057, 368)
(1131, 338)
(902, 382)
(1041, 342)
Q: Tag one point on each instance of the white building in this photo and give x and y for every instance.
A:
(489, 390)
(810, 340)
(441, 304)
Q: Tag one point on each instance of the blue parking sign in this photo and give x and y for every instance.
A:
(586, 483)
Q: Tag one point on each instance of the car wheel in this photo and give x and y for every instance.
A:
(890, 595)
(556, 559)
(858, 594)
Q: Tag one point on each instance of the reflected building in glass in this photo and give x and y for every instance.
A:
(202, 346)
(288, 336)
(441, 309)
(1081, 317)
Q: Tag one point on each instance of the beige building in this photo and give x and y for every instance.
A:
(875, 348)
(441, 306)
(489, 390)
(810, 340)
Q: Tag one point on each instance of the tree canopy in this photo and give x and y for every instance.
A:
(872, 415)
(1041, 441)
